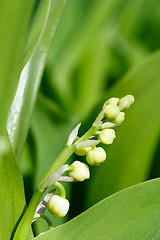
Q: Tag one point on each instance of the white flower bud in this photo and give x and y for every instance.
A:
(82, 151)
(127, 98)
(111, 111)
(113, 101)
(125, 102)
(96, 156)
(125, 105)
(80, 171)
(120, 118)
(58, 206)
(107, 136)
(131, 98)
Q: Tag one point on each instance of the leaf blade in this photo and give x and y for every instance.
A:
(125, 217)
(14, 21)
(18, 121)
(12, 199)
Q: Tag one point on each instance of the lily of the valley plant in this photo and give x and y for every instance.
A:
(101, 131)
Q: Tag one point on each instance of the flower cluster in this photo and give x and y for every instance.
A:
(102, 131)
(112, 116)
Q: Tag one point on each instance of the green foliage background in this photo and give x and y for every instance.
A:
(100, 49)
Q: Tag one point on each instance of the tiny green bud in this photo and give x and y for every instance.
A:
(58, 206)
(82, 151)
(125, 102)
(107, 136)
(111, 111)
(79, 171)
(113, 101)
(96, 156)
(120, 118)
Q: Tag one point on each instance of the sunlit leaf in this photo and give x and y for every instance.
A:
(30, 78)
(12, 199)
(130, 214)
(36, 29)
(13, 26)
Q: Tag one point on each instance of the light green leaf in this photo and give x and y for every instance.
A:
(73, 52)
(13, 25)
(36, 29)
(22, 107)
(14, 22)
(12, 199)
(131, 154)
(130, 214)
(91, 75)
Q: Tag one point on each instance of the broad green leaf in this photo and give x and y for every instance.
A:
(131, 154)
(14, 19)
(30, 78)
(133, 214)
(36, 29)
(14, 22)
(12, 199)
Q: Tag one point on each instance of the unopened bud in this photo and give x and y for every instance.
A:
(58, 206)
(111, 111)
(107, 136)
(124, 105)
(127, 98)
(79, 171)
(113, 101)
(120, 118)
(82, 151)
(125, 102)
(96, 156)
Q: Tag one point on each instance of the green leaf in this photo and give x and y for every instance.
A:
(72, 54)
(30, 79)
(130, 214)
(91, 75)
(36, 29)
(13, 25)
(14, 22)
(131, 154)
(12, 199)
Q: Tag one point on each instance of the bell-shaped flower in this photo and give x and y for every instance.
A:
(96, 156)
(58, 206)
(107, 136)
(79, 171)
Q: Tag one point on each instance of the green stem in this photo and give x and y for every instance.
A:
(62, 189)
(62, 158)
(68, 151)
(45, 218)
(25, 224)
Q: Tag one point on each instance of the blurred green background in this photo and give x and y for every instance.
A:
(101, 49)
